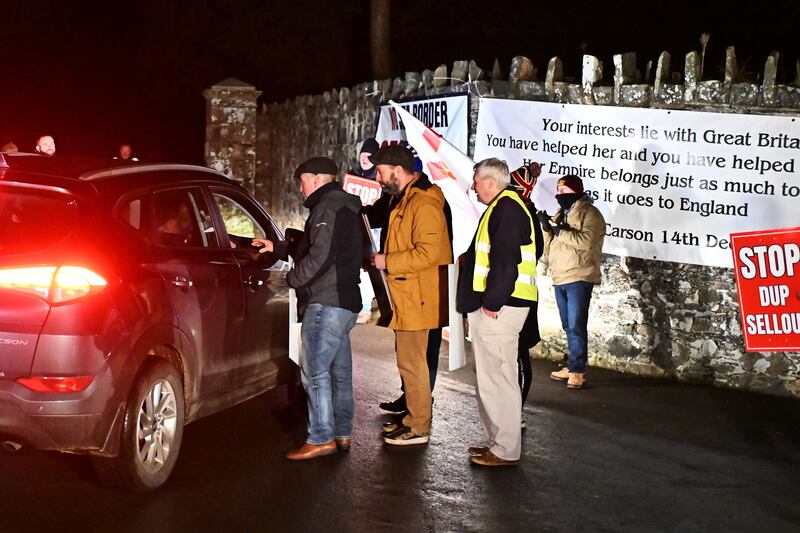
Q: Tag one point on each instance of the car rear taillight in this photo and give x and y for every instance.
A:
(56, 383)
(51, 283)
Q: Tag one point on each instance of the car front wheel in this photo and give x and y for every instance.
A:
(151, 434)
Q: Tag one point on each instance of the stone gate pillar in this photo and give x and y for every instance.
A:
(231, 130)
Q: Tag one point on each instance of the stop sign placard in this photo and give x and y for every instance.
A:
(767, 265)
(368, 190)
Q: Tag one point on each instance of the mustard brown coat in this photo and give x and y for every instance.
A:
(417, 251)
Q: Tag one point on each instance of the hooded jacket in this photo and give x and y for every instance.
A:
(328, 257)
(575, 254)
(417, 247)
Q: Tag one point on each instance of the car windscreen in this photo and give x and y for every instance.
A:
(34, 219)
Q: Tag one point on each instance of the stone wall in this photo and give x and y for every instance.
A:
(648, 317)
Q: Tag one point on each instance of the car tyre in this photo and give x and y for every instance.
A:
(152, 432)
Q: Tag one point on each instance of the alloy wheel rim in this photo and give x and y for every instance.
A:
(155, 431)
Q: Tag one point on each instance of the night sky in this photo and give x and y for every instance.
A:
(95, 74)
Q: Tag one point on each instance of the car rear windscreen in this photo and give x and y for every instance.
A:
(33, 219)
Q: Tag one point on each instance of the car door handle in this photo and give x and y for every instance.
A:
(181, 282)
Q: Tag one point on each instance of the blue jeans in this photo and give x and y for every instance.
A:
(573, 307)
(327, 371)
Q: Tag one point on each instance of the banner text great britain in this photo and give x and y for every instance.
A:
(672, 185)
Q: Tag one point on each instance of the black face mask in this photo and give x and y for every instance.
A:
(566, 200)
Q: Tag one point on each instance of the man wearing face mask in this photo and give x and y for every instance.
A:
(573, 244)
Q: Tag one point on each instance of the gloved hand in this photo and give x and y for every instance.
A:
(544, 220)
(535, 169)
(560, 226)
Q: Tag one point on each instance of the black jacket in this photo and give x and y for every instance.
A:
(328, 256)
(509, 228)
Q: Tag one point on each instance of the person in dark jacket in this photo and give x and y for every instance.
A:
(496, 287)
(325, 277)
(523, 180)
(365, 169)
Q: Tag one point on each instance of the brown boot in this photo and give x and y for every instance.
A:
(561, 375)
(575, 380)
(311, 451)
(343, 443)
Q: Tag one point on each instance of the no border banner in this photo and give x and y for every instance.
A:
(446, 115)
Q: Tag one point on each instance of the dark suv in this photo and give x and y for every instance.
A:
(131, 303)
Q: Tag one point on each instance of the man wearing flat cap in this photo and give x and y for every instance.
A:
(416, 252)
(573, 248)
(325, 277)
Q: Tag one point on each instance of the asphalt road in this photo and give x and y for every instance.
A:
(624, 454)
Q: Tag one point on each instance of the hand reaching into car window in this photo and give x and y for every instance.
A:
(264, 245)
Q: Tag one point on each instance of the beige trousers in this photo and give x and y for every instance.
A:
(412, 362)
(494, 343)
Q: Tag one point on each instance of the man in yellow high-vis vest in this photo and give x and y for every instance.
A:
(496, 287)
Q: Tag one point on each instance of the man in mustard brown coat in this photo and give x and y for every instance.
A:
(573, 248)
(417, 250)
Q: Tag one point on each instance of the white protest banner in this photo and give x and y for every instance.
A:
(672, 185)
(446, 115)
(451, 170)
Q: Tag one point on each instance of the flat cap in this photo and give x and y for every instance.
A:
(317, 165)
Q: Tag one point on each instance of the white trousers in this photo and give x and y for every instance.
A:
(494, 343)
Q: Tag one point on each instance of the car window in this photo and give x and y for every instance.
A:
(239, 223)
(131, 213)
(179, 217)
(33, 220)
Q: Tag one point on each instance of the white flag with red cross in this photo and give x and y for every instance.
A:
(451, 170)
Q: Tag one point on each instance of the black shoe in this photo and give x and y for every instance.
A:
(390, 427)
(405, 436)
(397, 406)
(395, 422)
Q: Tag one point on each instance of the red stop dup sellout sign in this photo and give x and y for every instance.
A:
(767, 265)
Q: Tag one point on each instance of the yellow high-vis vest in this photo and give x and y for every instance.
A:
(525, 286)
